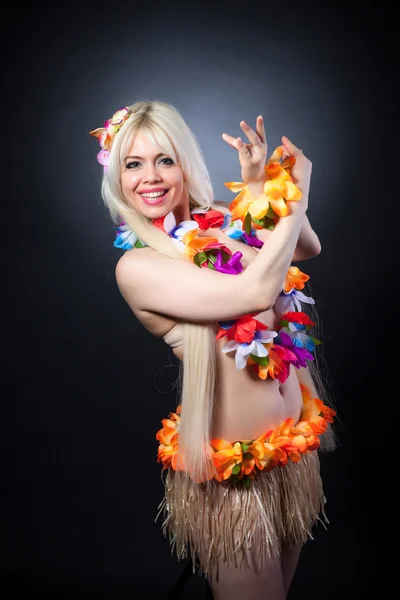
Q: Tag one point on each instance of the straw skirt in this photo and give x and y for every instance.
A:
(214, 522)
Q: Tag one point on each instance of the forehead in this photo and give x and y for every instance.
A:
(144, 144)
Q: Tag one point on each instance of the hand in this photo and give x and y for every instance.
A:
(252, 156)
(301, 170)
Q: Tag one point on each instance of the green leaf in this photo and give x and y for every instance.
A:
(246, 481)
(270, 213)
(269, 223)
(244, 447)
(200, 258)
(139, 244)
(248, 456)
(316, 342)
(247, 224)
(236, 470)
(258, 221)
(260, 360)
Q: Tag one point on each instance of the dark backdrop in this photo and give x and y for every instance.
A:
(87, 386)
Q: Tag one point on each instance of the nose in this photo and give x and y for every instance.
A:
(151, 174)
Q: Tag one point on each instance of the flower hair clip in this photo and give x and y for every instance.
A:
(106, 134)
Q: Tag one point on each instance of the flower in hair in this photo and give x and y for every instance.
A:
(106, 134)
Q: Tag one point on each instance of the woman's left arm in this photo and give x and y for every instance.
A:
(308, 244)
(252, 158)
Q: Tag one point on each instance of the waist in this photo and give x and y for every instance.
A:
(247, 406)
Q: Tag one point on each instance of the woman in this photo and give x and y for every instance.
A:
(240, 450)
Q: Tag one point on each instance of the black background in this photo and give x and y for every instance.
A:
(85, 386)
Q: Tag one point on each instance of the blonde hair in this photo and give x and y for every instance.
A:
(166, 128)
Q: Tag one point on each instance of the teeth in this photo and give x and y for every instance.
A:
(153, 194)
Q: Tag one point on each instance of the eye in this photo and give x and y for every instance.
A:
(132, 164)
(167, 161)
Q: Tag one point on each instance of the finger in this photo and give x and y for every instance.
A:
(243, 149)
(261, 129)
(290, 147)
(230, 140)
(251, 134)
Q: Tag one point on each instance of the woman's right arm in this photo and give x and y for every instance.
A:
(152, 282)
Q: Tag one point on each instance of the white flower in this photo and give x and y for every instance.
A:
(256, 347)
(126, 238)
(291, 301)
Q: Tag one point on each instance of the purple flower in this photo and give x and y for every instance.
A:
(302, 354)
(232, 267)
(252, 241)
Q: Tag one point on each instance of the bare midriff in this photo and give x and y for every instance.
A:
(245, 405)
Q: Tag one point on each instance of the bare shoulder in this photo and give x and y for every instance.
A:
(130, 270)
(131, 258)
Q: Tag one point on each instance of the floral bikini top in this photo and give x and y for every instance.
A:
(256, 346)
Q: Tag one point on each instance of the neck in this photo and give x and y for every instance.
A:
(182, 213)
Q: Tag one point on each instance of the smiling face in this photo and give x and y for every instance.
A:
(152, 182)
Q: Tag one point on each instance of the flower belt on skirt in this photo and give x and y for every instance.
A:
(240, 460)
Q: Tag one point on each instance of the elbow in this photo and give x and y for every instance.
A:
(257, 298)
(316, 249)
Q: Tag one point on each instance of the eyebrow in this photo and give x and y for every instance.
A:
(141, 158)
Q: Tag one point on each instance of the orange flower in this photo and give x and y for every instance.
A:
(314, 412)
(226, 457)
(240, 459)
(278, 190)
(295, 279)
(195, 244)
(240, 206)
(168, 438)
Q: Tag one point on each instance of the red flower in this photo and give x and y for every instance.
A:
(212, 218)
(159, 223)
(297, 317)
(243, 329)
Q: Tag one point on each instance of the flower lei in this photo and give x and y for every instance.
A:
(279, 189)
(240, 460)
(269, 352)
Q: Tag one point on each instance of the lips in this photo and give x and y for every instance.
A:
(156, 199)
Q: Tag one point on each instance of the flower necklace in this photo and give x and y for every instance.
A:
(269, 352)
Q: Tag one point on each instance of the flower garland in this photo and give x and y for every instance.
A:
(263, 212)
(240, 460)
(269, 352)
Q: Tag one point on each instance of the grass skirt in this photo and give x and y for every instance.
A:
(214, 522)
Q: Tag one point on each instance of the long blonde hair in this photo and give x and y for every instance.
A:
(166, 128)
